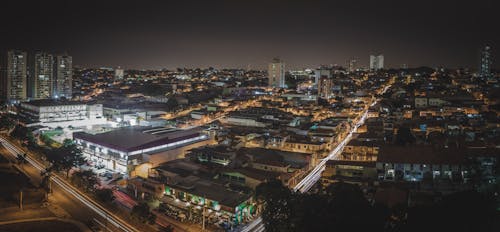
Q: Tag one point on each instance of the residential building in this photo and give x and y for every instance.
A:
(63, 76)
(418, 162)
(43, 76)
(376, 62)
(485, 63)
(355, 172)
(321, 72)
(16, 76)
(276, 74)
(351, 64)
(119, 73)
(325, 85)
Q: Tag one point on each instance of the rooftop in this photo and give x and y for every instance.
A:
(52, 102)
(217, 192)
(418, 154)
(128, 139)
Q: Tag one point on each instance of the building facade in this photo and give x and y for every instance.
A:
(485, 63)
(119, 73)
(124, 149)
(64, 77)
(16, 76)
(352, 65)
(376, 62)
(43, 76)
(325, 85)
(321, 72)
(276, 74)
(51, 113)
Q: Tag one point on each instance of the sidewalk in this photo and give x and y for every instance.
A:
(29, 211)
(78, 224)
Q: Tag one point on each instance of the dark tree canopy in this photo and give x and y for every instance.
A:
(142, 213)
(342, 206)
(104, 195)
(65, 157)
(86, 179)
(404, 136)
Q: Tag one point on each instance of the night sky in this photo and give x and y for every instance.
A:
(239, 33)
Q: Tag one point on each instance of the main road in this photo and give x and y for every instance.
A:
(305, 184)
(72, 200)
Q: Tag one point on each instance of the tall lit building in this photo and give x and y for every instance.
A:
(43, 75)
(276, 73)
(16, 75)
(63, 76)
(325, 85)
(376, 62)
(119, 73)
(485, 63)
(352, 64)
(321, 72)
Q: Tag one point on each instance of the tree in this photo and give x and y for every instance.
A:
(168, 228)
(46, 179)
(153, 89)
(277, 213)
(66, 157)
(6, 123)
(104, 195)
(348, 206)
(86, 179)
(342, 207)
(142, 213)
(172, 103)
(461, 211)
(25, 135)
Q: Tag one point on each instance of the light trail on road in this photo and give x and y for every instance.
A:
(100, 210)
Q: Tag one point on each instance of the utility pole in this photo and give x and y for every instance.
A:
(203, 218)
(21, 199)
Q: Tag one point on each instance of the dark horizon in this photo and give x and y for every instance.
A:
(226, 34)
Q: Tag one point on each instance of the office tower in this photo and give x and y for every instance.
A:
(321, 72)
(119, 73)
(63, 76)
(352, 65)
(15, 76)
(376, 62)
(43, 76)
(276, 74)
(485, 63)
(325, 87)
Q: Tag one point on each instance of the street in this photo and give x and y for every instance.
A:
(75, 203)
(305, 184)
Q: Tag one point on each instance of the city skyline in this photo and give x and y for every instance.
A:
(248, 34)
(249, 116)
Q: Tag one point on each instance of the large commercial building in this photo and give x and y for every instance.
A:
(276, 72)
(43, 76)
(15, 76)
(376, 62)
(64, 77)
(56, 113)
(135, 150)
